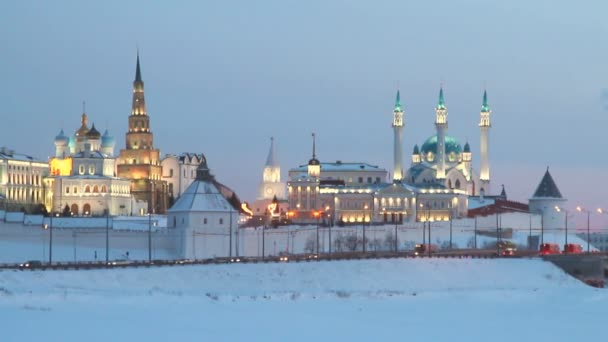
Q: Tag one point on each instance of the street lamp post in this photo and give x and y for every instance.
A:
(318, 216)
(263, 241)
(149, 237)
(560, 209)
(450, 228)
(583, 210)
(107, 235)
(51, 240)
(364, 215)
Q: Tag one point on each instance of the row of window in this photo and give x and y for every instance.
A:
(91, 168)
(23, 195)
(97, 189)
(24, 179)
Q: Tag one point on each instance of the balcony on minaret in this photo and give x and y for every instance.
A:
(485, 119)
(442, 117)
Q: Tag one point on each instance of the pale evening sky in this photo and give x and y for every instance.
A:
(221, 77)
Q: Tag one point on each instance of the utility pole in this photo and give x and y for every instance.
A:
(107, 236)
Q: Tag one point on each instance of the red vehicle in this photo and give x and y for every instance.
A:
(573, 248)
(424, 249)
(549, 248)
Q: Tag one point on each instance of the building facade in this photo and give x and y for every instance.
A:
(179, 171)
(21, 180)
(442, 160)
(83, 180)
(139, 161)
(205, 222)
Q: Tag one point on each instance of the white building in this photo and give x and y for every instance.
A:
(21, 180)
(204, 221)
(179, 171)
(545, 201)
(83, 176)
(443, 160)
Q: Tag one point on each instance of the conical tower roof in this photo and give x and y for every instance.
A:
(547, 187)
(271, 161)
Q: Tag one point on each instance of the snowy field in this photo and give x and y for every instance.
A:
(367, 300)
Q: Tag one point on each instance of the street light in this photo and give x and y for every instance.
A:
(560, 209)
(329, 218)
(364, 213)
(317, 214)
(583, 210)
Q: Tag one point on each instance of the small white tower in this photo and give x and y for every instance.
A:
(484, 126)
(271, 178)
(466, 161)
(441, 124)
(314, 166)
(398, 135)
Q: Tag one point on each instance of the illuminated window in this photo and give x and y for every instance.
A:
(75, 190)
(87, 189)
(81, 169)
(104, 189)
(67, 189)
(95, 189)
(91, 169)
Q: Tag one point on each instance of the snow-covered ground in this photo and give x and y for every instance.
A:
(377, 300)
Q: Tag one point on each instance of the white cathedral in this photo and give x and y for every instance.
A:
(83, 176)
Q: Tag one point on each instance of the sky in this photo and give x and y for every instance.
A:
(222, 77)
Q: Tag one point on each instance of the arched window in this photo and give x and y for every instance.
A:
(104, 189)
(449, 183)
(95, 189)
(87, 189)
(458, 184)
(74, 209)
(86, 209)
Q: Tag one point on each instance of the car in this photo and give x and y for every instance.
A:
(549, 248)
(508, 251)
(31, 264)
(424, 249)
(573, 248)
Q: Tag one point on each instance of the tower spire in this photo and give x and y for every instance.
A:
(441, 102)
(484, 127)
(441, 125)
(314, 155)
(484, 105)
(271, 160)
(397, 102)
(398, 139)
(137, 70)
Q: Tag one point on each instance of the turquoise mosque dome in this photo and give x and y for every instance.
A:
(451, 145)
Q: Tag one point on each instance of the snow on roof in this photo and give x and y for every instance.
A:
(202, 196)
(11, 155)
(340, 166)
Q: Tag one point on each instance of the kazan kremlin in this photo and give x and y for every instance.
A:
(443, 181)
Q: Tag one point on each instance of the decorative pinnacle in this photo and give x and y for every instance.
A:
(441, 103)
(484, 105)
(313, 147)
(137, 71)
(397, 102)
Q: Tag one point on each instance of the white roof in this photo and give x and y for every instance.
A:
(202, 196)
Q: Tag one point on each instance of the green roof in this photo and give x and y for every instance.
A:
(451, 145)
(441, 103)
(484, 105)
(397, 102)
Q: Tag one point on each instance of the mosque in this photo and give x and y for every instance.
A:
(436, 186)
